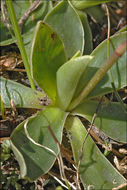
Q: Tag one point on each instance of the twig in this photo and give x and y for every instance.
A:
(82, 148)
(61, 148)
(16, 70)
(61, 165)
(101, 142)
(34, 6)
(4, 16)
(92, 122)
(34, 142)
(14, 111)
(58, 157)
(58, 180)
(21, 21)
(108, 18)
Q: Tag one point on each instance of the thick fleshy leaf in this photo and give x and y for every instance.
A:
(88, 47)
(96, 13)
(33, 159)
(68, 77)
(70, 30)
(123, 29)
(30, 24)
(111, 118)
(5, 33)
(117, 71)
(8, 41)
(20, 7)
(23, 97)
(39, 13)
(95, 170)
(77, 54)
(81, 4)
(47, 56)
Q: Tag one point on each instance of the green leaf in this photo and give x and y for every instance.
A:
(26, 40)
(5, 33)
(8, 41)
(111, 118)
(23, 97)
(96, 13)
(20, 8)
(123, 29)
(33, 159)
(2, 108)
(30, 24)
(77, 54)
(118, 70)
(70, 30)
(95, 170)
(81, 4)
(39, 13)
(88, 47)
(68, 77)
(46, 57)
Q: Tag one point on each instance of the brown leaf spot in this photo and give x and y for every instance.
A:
(53, 36)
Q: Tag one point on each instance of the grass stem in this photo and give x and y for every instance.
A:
(15, 26)
(119, 51)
